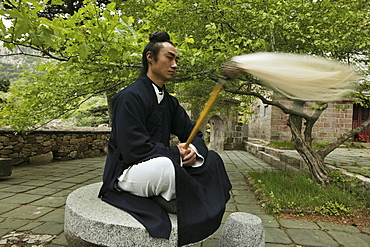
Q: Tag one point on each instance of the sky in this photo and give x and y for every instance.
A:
(6, 22)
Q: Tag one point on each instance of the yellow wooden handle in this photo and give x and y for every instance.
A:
(217, 89)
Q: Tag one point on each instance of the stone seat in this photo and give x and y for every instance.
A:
(91, 222)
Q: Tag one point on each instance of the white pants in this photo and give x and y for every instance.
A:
(153, 177)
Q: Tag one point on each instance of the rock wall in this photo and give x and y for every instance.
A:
(51, 144)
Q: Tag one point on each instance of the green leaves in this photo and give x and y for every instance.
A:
(92, 52)
(99, 47)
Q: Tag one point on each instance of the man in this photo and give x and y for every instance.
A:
(146, 176)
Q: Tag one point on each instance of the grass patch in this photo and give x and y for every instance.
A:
(317, 145)
(283, 192)
(352, 145)
(290, 145)
(282, 145)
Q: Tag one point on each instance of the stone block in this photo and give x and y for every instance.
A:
(42, 158)
(73, 155)
(273, 151)
(4, 138)
(242, 230)
(291, 160)
(5, 167)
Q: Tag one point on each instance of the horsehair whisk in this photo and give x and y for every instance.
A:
(296, 76)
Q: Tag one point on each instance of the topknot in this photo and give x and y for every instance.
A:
(159, 36)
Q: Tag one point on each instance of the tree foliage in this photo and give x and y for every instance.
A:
(90, 52)
(95, 48)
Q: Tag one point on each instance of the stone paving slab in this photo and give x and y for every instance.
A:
(336, 227)
(276, 235)
(57, 215)
(5, 207)
(5, 195)
(45, 188)
(21, 198)
(44, 191)
(27, 212)
(310, 237)
(349, 239)
(268, 220)
(29, 227)
(17, 188)
(52, 228)
(50, 201)
(12, 223)
(298, 224)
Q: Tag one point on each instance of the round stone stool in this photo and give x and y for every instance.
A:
(91, 222)
(242, 230)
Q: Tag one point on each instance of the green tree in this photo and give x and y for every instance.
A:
(91, 52)
(96, 50)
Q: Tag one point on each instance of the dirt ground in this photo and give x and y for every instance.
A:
(359, 218)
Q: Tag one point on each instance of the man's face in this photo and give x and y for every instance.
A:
(164, 67)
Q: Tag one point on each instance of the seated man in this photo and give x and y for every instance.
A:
(146, 176)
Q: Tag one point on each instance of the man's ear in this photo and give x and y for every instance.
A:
(149, 56)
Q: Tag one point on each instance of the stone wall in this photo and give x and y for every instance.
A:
(260, 124)
(51, 144)
(221, 131)
(270, 123)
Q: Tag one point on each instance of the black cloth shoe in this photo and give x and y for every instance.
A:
(169, 206)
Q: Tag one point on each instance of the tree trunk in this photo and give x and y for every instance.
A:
(313, 159)
(315, 163)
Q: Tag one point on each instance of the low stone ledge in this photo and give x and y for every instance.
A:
(291, 159)
(359, 180)
(270, 159)
(58, 129)
(51, 144)
(253, 148)
(273, 151)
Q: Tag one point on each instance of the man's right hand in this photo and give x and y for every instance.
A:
(188, 156)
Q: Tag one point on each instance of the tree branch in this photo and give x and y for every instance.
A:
(344, 137)
(269, 102)
(46, 53)
(311, 122)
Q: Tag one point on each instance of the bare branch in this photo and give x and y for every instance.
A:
(344, 137)
(311, 122)
(270, 102)
(47, 54)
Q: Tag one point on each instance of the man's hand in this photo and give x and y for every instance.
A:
(188, 155)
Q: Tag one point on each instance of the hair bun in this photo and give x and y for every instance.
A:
(159, 36)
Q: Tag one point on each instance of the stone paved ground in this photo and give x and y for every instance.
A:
(354, 160)
(32, 200)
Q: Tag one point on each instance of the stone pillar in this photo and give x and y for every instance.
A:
(242, 230)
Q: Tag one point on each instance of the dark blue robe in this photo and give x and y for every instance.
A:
(141, 130)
